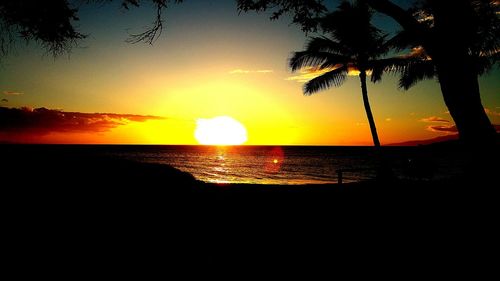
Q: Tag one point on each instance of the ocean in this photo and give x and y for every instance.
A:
(293, 165)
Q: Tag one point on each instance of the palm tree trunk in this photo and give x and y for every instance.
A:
(366, 102)
(461, 94)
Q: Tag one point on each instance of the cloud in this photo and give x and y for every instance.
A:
(447, 128)
(417, 52)
(443, 129)
(5, 100)
(12, 93)
(487, 110)
(451, 129)
(434, 119)
(41, 121)
(491, 112)
(243, 71)
(307, 74)
(424, 17)
(388, 119)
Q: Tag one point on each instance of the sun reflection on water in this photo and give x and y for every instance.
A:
(274, 160)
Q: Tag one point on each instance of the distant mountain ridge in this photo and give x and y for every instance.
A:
(426, 142)
(441, 139)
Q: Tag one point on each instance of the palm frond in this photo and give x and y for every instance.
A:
(330, 65)
(486, 62)
(389, 65)
(305, 59)
(401, 41)
(495, 58)
(416, 71)
(332, 78)
(325, 44)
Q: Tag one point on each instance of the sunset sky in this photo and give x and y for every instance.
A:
(208, 62)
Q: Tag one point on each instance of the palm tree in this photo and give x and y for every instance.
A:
(418, 66)
(353, 44)
(462, 41)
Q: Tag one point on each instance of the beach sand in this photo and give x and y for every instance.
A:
(80, 211)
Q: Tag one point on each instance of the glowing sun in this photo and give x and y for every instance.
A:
(220, 130)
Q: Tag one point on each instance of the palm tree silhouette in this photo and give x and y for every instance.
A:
(418, 65)
(462, 41)
(353, 44)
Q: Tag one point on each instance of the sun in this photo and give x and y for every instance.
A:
(220, 130)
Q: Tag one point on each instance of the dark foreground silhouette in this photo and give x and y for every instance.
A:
(71, 209)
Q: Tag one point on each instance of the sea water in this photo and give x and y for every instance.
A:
(292, 164)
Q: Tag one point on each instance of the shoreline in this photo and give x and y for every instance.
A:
(84, 157)
(76, 163)
(57, 201)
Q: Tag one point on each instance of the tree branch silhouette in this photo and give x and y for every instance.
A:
(305, 13)
(152, 33)
(51, 23)
(48, 23)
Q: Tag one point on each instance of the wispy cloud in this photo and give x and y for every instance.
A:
(245, 71)
(307, 74)
(434, 119)
(41, 121)
(449, 129)
(491, 112)
(5, 100)
(352, 71)
(487, 110)
(12, 93)
(417, 52)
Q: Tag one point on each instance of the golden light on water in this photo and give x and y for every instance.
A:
(220, 130)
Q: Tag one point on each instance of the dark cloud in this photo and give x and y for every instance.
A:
(5, 100)
(434, 119)
(40, 121)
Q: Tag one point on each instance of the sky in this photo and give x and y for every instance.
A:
(210, 61)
